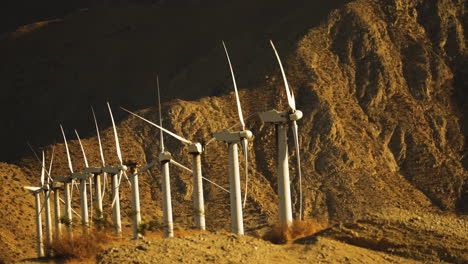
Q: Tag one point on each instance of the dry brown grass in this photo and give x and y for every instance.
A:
(82, 246)
(281, 233)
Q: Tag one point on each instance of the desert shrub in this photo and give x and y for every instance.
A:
(81, 245)
(281, 233)
(101, 221)
(151, 225)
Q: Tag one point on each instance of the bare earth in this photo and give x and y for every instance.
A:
(392, 236)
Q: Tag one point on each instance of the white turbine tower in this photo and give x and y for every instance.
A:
(136, 215)
(88, 175)
(45, 189)
(116, 172)
(39, 240)
(82, 177)
(68, 182)
(97, 172)
(281, 119)
(195, 149)
(55, 186)
(233, 138)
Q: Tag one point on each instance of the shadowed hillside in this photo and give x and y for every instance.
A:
(381, 86)
(53, 71)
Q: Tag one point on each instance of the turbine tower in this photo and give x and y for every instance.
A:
(233, 138)
(39, 239)
(82, 177)
(195, 149)
(97, 172)
(281, 119)
(116, 173)
(67, 182)
(45, 189)
(136, 216)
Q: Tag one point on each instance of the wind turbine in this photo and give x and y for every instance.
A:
(67, 182)
(36, 192)
(232, 138)
(55, 186)
(198, 202)
(195, 149)
(39, 242)
(281, 119)
(136, 216)
(97, 171)
(82, 177)
(116, 174)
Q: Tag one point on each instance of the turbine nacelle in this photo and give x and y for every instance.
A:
(93, 170)
(81, 176)
(165, 156)
(56, 185)
(114, 169)
(233, 137)
(62, 179)
(278, 117)
(195, 148)
(33, 189)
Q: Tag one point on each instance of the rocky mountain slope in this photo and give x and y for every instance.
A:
(381, 86)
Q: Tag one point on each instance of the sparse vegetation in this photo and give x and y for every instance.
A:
(101, 221)
(281, 233)
(151, 225)
(81, 246)
(65, 220)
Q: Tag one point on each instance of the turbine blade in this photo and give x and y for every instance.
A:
(43, 169)
(35, 154)
(31, 188)
(189, 170)
(290, 96)
(239, 109)
(180, 166)
(209, 141)
(37, 157)
(116, 189)
(215, 184)
(246, 153)
(126, 177)
(68, 152)
(117, 144)
(145, 168)
(74, 184)
(99, 138)
(46, 197)
(161, 128)
(61, 200)
(298, 156)
(104, 186)
(82, 149)
(160, 118)
(50, 165)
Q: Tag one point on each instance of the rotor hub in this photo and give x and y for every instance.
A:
(247, 134)
(296, 115)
